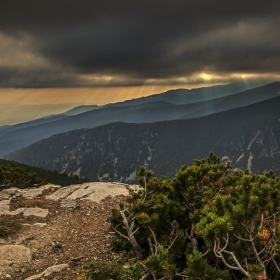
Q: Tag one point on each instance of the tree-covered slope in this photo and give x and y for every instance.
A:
(248, 136)
(41, 175)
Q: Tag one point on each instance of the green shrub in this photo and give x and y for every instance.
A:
(208, 222)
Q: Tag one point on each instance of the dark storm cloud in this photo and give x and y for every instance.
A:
(140, 40)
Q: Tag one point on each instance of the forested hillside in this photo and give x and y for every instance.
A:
(167, 106)
(249, 137)
(17, 171)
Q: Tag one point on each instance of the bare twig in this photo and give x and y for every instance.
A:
(170, 246)
(156, 242)
(129, 225)
(192, 238)
(151, 246)
(218, 251)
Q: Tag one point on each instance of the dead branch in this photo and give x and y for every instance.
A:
(128, 225)
(218, 251)
(170, 246)
(151, 246)
(156, 242)
(192, 238)
(145, 189)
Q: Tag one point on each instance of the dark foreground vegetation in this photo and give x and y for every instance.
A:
(208, 222)
(14, 174)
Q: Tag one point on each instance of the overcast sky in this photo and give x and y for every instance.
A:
(46, 43)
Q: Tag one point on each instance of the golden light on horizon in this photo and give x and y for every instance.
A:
(79, 96)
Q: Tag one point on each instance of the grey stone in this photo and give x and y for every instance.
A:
(68, 204)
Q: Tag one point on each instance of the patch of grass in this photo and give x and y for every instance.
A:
(8, 227)
(32, 203)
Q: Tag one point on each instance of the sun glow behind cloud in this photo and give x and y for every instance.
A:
(110, 94)
(23, 104)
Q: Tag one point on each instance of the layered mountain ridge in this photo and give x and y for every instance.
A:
(248, 136)
(158, 108)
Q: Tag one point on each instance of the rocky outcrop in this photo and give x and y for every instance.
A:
(74, 231)
(67, 195)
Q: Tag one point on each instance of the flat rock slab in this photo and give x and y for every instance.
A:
(62, 192)
(31, 193)
(27, 193)
(15, 253)
(83, 191)
(95, 191)
(38, 212)
(102, 190)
